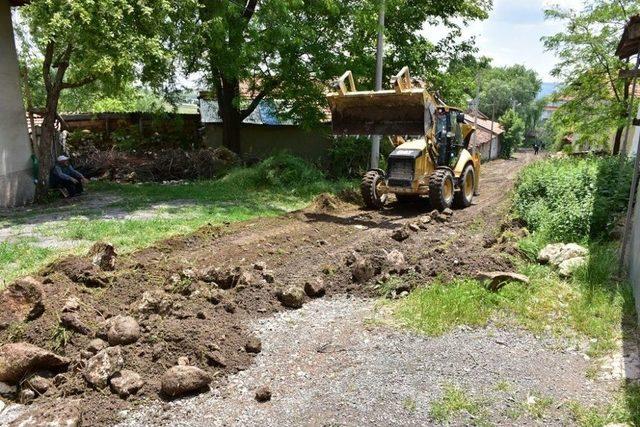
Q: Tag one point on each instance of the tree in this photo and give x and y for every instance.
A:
(594, 99)
(289, 51)
(84, 42)
(513, 132)
(504, 88)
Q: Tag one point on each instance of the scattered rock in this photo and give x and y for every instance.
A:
(214, 358)
(8, 391)
(71, 305)
(260, 266)
(556, 253)
(489, 242)
(183, 361)
(263, 394)
(103, 256)
(315, 288)
(97, 345)
(182, 380)
(401, 234)
(414, 227)
(499, 278)
(268, 276)
(101, 367)
(21, 301)
(156, 301)
(223, 277)
(424, 221)
(568, 267)
(395, 262)
(362, 269)
(126, 383)
(39, 384)
(123, 330)
(292, 296)
(245, 278)
(253, 345)
(21, 359)
(447, 212)
(72, 322)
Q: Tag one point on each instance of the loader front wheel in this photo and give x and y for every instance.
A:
(370, 190)
(464, 196)
(441, 189)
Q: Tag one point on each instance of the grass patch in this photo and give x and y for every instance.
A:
(454, 402)
(591, 305)
(154, 212)
(625, 409)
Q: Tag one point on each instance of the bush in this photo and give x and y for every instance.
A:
(349, 156)
(514, 128)
(573, 199)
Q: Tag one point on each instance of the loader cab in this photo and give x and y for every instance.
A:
(449, 135)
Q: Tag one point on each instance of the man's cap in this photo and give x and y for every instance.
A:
(62, 158)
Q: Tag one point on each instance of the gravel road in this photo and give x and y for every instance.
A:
(329, 364)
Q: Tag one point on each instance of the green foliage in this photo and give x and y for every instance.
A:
(624, 410)
(455, 401)
(513, 132)
(594, 99)
(349, 157)
(502, 87)
(19, 257)
(572, 199)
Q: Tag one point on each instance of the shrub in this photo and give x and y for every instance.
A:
(349, 156)
(573, 199)
(514, 128)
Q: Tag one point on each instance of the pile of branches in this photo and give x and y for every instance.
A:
(154, 166)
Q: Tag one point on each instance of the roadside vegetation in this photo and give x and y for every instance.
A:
(143, 214)
(559, 200)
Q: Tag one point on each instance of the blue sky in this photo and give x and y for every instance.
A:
(512, 33)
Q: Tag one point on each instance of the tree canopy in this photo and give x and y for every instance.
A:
(504, 88)
(594, 99)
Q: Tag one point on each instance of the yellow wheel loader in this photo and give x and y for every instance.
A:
(432, 143)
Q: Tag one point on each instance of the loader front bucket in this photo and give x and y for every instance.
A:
(388, 112)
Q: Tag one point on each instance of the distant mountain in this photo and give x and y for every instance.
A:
(547, 89)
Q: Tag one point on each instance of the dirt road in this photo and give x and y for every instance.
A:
(359, 368)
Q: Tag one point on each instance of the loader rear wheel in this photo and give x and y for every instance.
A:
(369, 188)
(441, 189)
(464, 196)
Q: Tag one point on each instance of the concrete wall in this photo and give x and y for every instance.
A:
(262, 140)
(633, 253)
(16, 181)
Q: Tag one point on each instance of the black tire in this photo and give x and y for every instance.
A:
(464, 196)
(368, 189)
(441, 189)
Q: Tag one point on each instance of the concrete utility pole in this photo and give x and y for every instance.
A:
(375, 140)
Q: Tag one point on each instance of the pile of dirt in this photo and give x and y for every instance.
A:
(154, 166)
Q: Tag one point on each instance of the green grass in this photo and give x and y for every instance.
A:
(625, 409)
(278, 185)
(454, 402)
(592, 305)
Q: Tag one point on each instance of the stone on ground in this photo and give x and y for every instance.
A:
(103, 255)
(362, 269)
(395, 262)
(126, 383)
(253, 345)
(21, 359)
(556, 253)
(71, 305)
(21, 301)
(96, 345)
(182, 380)
(401, 234)
(72, 322)
(155, 301)
(292, 296)
(568, 267)
(8, 391)
(59, 414)
(101, 367)
(500, 278)
(315, 288)
(122, 330)
(263, 394)
(39, 384)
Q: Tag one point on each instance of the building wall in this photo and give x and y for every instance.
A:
(262, 140)
(16, 181)
(633, 252)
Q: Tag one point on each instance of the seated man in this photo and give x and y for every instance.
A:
(65, 178)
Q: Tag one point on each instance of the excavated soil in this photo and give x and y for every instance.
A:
(211, 326)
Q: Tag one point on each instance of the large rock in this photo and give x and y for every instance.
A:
(155, 301)
(556, 253)
(101, 367)
(500, 278)
(183, 380)
(72, 322)
(315, 288)
(126, 383)
(21, 301)
(395, 262)
(122, 330)
(225, 278)
(103, 255)
(362, 269)
(568, 267)
(292, 296)
(20, 359)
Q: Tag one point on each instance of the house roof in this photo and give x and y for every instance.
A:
(630, 42)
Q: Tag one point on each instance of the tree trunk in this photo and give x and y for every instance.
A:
(617, 140)
(229, 104)
(45, 145)
(620, 131)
